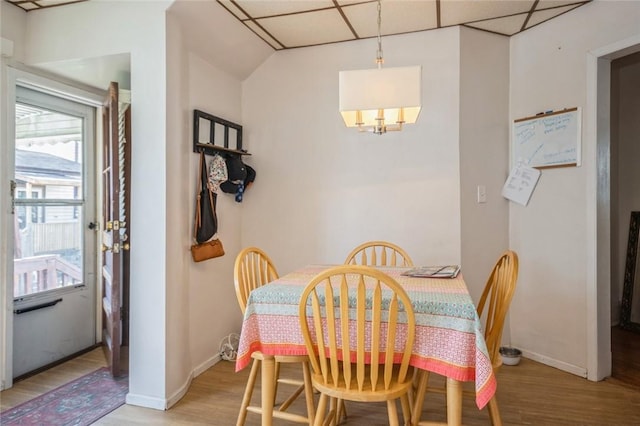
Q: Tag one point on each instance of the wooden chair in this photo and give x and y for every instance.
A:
(253, 268)
(373, 368)
(379, 253)
(496, 297)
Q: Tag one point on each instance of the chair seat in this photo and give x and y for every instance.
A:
(367, 394)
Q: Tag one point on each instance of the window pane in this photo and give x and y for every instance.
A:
(48, 166)
(48, 254)
(48, 154)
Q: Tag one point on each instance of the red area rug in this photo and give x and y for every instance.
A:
(77, 403)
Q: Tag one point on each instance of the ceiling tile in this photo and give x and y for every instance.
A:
(231, 7)
(397, 17)
(508, 26)
(545, 4)
(49, 3)
(307, 29)
(544, 15)
(454, 12)
(263, 35)
(260, 9)
(27, 5)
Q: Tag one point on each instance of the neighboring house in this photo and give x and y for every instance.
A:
(43, 176)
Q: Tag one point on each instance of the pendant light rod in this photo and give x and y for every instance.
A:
(379, 59)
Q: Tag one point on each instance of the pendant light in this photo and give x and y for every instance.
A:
(381, 99)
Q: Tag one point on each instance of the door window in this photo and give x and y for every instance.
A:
(49, 202)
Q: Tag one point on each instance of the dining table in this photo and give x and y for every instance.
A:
(449, 338)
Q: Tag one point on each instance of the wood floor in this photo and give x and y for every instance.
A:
(625, 353)
(529, 394)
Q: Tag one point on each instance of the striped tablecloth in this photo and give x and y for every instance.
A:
(449, 336)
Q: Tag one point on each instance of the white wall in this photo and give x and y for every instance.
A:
(484, 153)
(13, 29)
(214, 311)
(321, 189)
(179, 362)
(549, 314)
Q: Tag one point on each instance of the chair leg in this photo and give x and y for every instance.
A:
(342, 411)
(248, 391)
(494, 412)
(275, 385)
(332, 418)
(415, 378)
(393, 413)
(406, 409)
(422, 380)
(322, 409)
(308, 391)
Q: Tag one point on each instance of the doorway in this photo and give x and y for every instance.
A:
(53, 185)
(601, 293)
(625, 197)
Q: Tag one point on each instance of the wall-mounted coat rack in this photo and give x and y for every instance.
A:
(216, 135)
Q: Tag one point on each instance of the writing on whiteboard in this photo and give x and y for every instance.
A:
(548, 140)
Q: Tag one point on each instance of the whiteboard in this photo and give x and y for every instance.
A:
(548, 140)
(520, 184)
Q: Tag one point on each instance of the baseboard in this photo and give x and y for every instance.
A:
(560, 365)
(206, 365)
(159, 404)
(146, 401)
(177, 396)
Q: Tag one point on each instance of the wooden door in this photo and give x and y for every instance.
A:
(115, 248)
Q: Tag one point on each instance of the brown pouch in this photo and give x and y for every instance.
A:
(207, 250)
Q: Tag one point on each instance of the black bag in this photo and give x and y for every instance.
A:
(206, 221)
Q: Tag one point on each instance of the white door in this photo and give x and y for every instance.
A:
(54, 244)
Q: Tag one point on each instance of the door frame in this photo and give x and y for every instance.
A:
(597, 144)
(15, 74)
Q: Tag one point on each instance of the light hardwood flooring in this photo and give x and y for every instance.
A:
(528, 394)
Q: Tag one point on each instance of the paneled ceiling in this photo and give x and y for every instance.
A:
(298, 23)
(286, 24)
